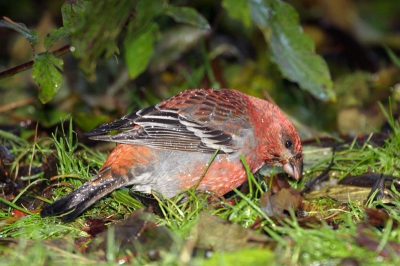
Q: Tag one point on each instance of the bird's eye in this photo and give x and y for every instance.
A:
(288, 144)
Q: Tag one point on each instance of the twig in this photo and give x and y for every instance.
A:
(16, 104)
(19, 26)
(267, 96)
(312, 182)
(28, 65)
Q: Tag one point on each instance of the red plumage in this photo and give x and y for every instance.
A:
(167, 147)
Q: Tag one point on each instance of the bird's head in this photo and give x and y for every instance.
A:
(291, 157)
(280, 145)
(289, 149)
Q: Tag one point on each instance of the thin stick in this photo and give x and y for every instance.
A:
(16, 104)
(15, 70)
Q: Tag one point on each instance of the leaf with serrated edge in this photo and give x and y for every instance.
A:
(46, 73)
(95, 31)
(70, 10)
(292, 50)
(54, 36)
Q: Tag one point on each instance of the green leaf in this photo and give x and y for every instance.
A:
(95, 30)
(146, 12)
(54, 36)
(70, 10)
(292, 50)
(239, 10)
(46, 73)
(187, 15)
(139, 50)
(21, 28)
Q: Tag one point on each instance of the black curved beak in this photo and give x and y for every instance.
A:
(294, 168)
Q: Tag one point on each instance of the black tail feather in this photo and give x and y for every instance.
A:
(82, 198)
(67, 205)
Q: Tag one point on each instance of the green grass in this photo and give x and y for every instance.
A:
(31, 240)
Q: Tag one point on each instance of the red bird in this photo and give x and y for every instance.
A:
(167, 147)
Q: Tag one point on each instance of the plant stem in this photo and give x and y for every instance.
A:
(28, 65)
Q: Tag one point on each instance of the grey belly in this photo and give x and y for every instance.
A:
(162, 175)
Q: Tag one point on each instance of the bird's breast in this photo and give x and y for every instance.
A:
(168, 171)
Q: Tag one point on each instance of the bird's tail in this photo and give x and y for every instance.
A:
(82, 198)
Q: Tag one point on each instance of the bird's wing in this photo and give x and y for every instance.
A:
(195, 120)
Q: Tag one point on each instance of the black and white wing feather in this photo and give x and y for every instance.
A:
(195, 120)
(164, 129)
